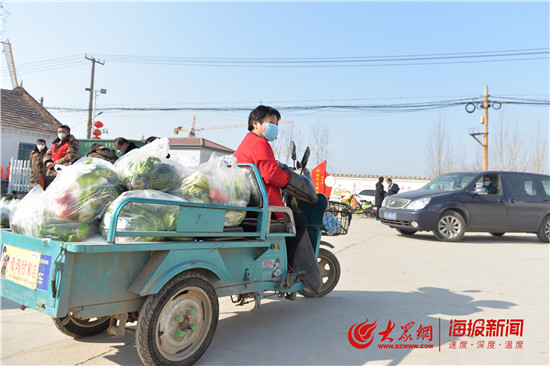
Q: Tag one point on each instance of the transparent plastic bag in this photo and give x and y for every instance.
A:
(32, 218)
(218, 183)
(143, 216)
(83, 191)
(6, 207)
(148, 168)
(332, 223)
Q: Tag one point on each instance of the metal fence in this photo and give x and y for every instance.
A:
(20, 173)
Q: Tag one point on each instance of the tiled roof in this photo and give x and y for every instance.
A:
(20, 110)
(197, 142)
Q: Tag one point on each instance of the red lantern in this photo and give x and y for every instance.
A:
(96, 132)
(98, 124)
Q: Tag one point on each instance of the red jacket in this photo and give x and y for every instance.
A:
(256, 150)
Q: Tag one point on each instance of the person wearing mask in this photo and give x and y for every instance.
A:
(36, 159)
(64, 150)
(393, 188)
(487, 183)
(379, 195)
(263, 127)
(123, 146)
(101, 152)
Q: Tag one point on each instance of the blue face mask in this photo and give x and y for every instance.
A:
(271, 132)
(486, 184)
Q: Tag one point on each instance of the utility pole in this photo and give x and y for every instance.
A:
(486, 130)
(90, 106)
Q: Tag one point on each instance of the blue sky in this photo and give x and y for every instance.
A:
(361, 142)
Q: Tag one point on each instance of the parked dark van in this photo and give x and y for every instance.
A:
(454, 203)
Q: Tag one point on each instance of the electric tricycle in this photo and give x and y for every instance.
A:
(171, 288)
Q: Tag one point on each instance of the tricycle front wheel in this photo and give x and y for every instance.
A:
(330, 273)
(176, 325)
(76, 327)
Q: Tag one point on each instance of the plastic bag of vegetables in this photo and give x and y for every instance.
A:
(6, 207)
(143, 216)
(32, 218)
(147, 168)
(83, 191)
(219, 181)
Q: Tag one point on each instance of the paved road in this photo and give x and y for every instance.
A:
(387, 278)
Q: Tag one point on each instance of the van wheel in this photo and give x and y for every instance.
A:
(406, 232)
(176, 325)
(497, 234)
(450, 227)
(330, 273)
(544, 231)
(75, 327)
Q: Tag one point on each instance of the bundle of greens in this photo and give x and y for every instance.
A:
(138, 216)
(83, 190)
(151, 173)
(31, 217)
(216, 182)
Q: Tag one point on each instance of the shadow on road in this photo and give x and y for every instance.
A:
(315, 331)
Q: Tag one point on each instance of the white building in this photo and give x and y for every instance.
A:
(22, 121)
(192, 151)
(355, 183)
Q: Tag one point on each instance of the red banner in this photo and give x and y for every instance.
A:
(319, 174)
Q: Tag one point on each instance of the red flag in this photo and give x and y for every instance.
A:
(319, 174)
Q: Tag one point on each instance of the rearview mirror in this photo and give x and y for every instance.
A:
(306, 157)
(480, 190)
(293, 150)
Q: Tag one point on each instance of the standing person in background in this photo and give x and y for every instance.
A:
(64, 150)
(393, 188)
(123, 146)
(379, 195)
(36, 159)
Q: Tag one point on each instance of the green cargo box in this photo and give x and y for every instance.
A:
(86, 145)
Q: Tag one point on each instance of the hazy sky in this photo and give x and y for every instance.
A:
(297, 57)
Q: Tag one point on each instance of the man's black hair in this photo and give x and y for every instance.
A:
(40, 140)
(380, 179)
(65, 127)
(120, 141)
(150, 139)
(259, 113)
(389, 180)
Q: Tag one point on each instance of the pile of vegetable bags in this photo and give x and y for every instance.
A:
(71, 206)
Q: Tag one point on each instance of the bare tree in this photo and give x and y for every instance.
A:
(319, 144)
(538, 155)
(436, 146)
(281, 146)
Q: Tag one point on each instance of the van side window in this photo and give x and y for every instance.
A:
(495, 186)
(545, 182)
(522, 185)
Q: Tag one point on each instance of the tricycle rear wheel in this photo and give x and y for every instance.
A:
(76, 327)
(176, 325)
(330, 273)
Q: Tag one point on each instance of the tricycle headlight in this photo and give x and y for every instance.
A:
(418, 204)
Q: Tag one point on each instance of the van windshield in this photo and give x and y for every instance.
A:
(450, 182)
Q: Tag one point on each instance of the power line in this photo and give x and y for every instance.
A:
(403, 107)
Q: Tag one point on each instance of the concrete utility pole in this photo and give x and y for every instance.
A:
(90, 106)
(486, 130)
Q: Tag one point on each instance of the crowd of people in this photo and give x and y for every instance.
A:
(64, 150)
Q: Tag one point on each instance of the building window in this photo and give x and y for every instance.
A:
(25, 151)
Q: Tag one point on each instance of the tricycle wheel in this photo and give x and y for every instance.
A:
(76, 327)
(176, 325)
(330, 273)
